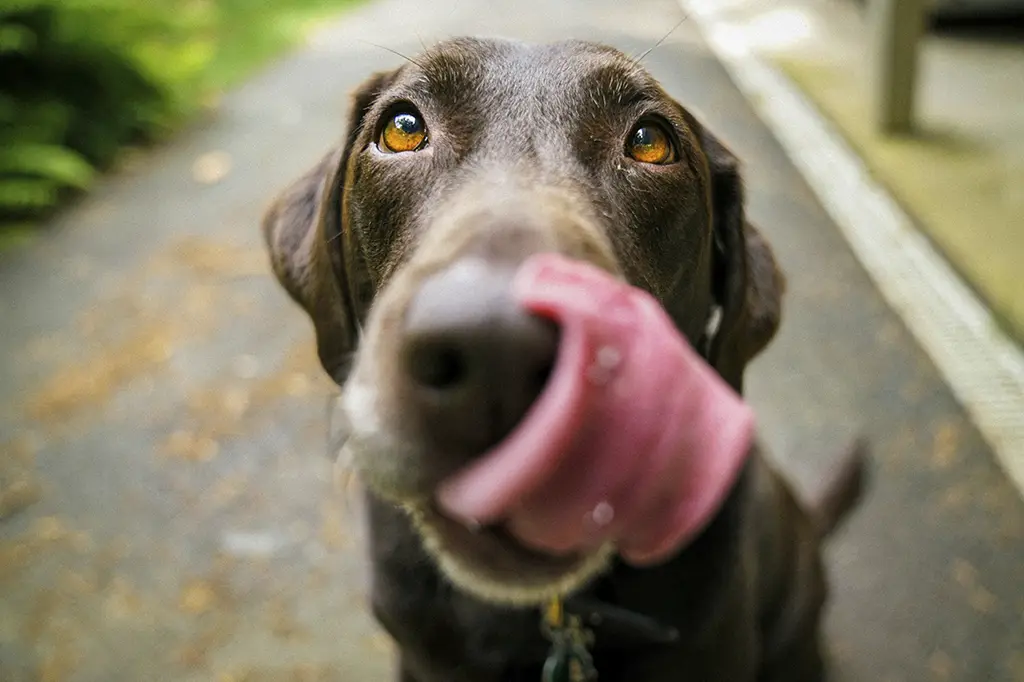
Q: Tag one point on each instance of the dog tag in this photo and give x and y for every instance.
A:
(569, 659)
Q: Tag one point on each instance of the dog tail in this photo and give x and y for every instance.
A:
(843, 489)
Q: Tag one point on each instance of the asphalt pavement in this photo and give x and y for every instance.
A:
(166, 504)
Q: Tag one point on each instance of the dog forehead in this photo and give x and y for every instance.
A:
(520, 74)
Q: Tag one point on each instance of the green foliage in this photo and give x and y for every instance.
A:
(79, 79)
(82, 79)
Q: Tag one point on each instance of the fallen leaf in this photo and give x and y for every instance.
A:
(217, 259)
(191, 446)
(979, 597)
(194, 654)
(51, 529)
(211, 168)
(283, 622)
(298, 385)
(198, 597)
(982, 600)
(945, 446)
(18, 495)
(18, 485)
(941, 666)
(91, 381)
(122, 600)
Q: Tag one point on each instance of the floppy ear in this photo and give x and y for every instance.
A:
(746, 280)
(310, 250)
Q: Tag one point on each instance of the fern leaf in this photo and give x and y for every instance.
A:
(57, 164)
(20, 196)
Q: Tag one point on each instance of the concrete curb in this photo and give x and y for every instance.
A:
(982, 366)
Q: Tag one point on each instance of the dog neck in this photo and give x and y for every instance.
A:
(618, 626)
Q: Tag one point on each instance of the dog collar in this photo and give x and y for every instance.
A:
(573, 625)
(569, 659)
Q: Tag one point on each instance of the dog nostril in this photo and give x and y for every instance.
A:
(437, 365)
(472, 360)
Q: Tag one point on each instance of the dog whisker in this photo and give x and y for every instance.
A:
(665, 37)
(394, 52)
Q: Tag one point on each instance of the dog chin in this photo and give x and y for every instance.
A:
(492, 566)
(487, 562)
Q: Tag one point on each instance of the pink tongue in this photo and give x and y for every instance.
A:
(635, 439)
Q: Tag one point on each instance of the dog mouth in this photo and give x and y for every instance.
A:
(494, 542)
(486, 560)
(491, 563)
(485, 553)
(628, 425)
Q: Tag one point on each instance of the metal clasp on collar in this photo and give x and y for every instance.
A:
(569, 659)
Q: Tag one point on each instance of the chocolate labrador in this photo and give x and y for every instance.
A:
(493, 151)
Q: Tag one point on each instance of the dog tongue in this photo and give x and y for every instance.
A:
(635, 439)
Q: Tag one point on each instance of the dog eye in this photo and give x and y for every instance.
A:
(404, 132)
(650, 143)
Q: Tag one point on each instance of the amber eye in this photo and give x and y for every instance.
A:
(649, 143)
(404, 132)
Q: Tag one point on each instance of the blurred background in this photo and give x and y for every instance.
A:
(166, 501)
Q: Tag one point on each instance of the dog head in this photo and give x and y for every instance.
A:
(402, 243)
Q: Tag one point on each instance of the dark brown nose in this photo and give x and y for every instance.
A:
(474, 360)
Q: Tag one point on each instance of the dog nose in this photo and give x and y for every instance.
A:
(474, 360)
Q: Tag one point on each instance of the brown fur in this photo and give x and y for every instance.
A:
(526, 155)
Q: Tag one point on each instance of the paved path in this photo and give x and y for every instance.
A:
(162, 393)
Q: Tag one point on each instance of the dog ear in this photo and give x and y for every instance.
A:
(746, 281)
(305, 233)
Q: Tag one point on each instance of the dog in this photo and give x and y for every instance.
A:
(490, 151)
